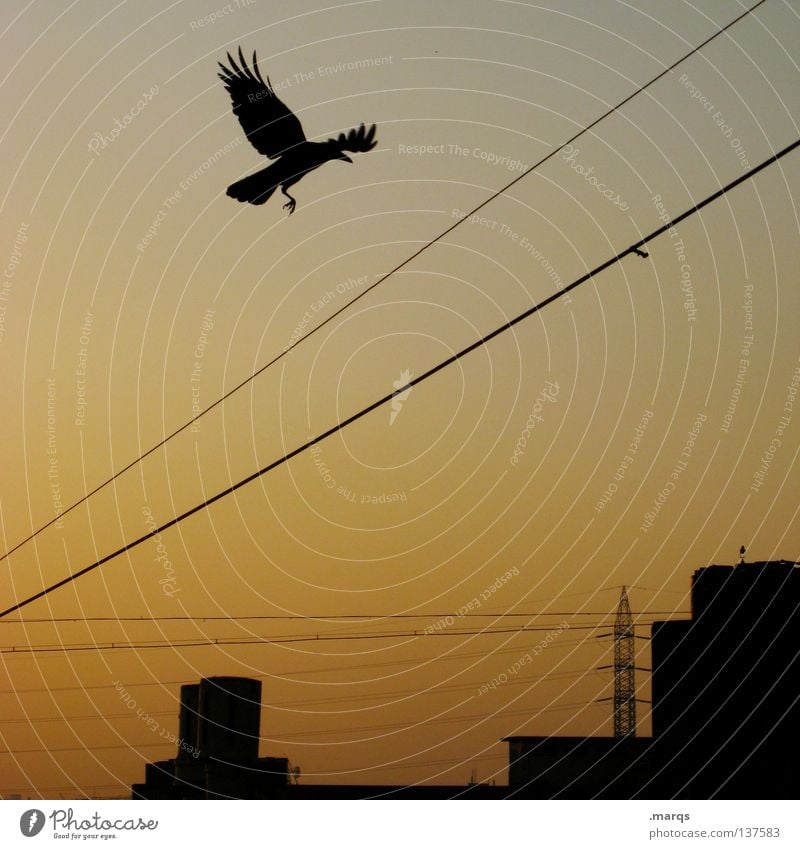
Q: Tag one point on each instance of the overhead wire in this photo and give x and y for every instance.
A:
(330, 617)
(295, 706)
(497, 193)
(281, 640)
(283, 676)
(453, 358)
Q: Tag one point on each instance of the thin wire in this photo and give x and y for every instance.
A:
(331, 617)
(339, 426)
(383, 664)
(305, 638)
(533, 712)
(298, 704)
(377, 283)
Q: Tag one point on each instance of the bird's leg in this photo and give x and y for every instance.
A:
(287, 184)
(292, 202)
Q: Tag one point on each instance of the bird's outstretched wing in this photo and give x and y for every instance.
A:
(357, 141)
(269, 125)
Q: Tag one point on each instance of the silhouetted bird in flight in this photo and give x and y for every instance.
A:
(275, 132)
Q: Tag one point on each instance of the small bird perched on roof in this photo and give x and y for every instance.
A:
(275, 132)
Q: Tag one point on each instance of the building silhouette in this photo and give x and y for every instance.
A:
(726, 686)
(577, 767)
(217, 758)
(726, 716)
(726, 704)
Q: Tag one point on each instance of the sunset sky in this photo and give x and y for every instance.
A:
(641, 427)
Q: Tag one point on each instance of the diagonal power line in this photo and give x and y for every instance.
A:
(484, 340)
(374, 285)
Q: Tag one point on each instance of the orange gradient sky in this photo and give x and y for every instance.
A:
(630, 433)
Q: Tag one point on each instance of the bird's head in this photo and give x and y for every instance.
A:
(344, 157)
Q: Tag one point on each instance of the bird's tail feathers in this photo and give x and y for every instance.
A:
(358, 141)
(255, 189)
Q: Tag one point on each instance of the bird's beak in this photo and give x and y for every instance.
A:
(346, 158)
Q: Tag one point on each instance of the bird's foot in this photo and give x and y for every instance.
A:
(290, 205)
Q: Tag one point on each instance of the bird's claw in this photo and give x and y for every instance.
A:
(290, 205)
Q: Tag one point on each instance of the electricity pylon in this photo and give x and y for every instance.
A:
(624, 674)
